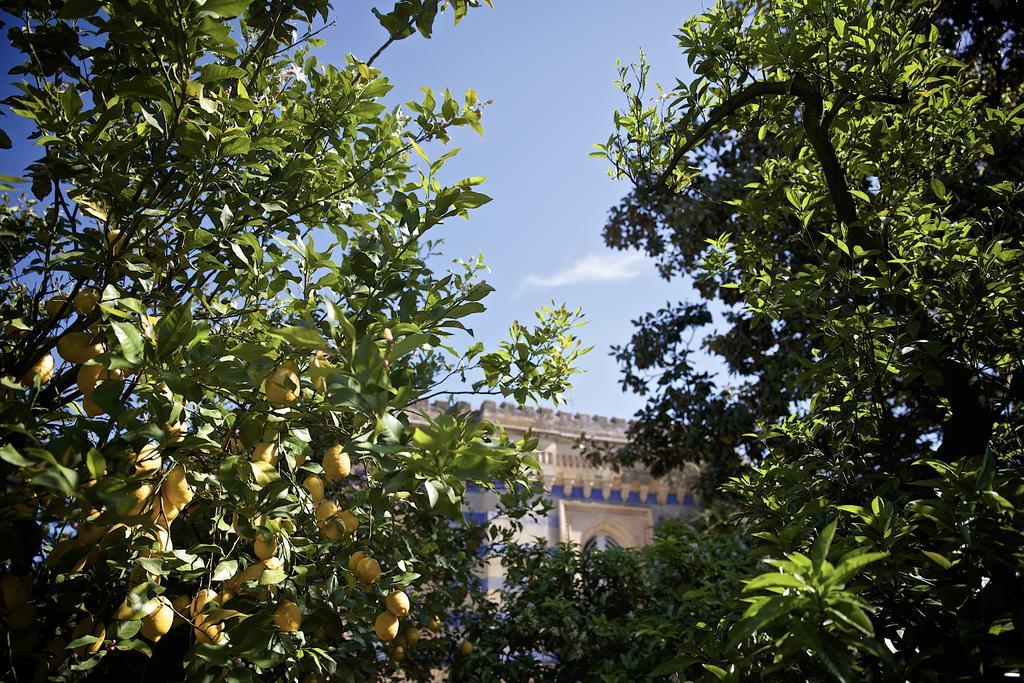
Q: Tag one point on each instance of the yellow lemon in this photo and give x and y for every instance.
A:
(42, 368)
(319, 360)
(112, 241)
(257, 522)
(162, 538)
(90, 375)
(12, 331)
(368, 571)
(57, 305)
(397, 603)
(90, 533)
(181, 605)
(251, 573)
(264, 549)
(148, 458)
(288, 617)
(386, 626)
(199, 602)
(282, 386)
(325, 510)
(337, 463)
(434, 624)
(354, 561)
(208, 633)
(60, 550)
(176, 492)
(157, 623)
(265, 451)
(91, 408)
(465, 648)
(79, 347)
(149, 326)
(55, 654)
(332, 532)
(86, 301)
(15, 591)
(174, 433)
(315, 486)
(141, 496)
(25, 645)
(21, 617)
(350, 521)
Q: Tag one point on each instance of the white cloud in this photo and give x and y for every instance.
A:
(613, 267)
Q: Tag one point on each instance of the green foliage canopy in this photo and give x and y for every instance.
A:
(694, 416)
(889, 496)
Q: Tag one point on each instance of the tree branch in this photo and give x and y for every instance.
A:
(817, 134)
(717, 116)
(969, 427)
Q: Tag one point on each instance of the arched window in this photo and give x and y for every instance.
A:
(601, 542)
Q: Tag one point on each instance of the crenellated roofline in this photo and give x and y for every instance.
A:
(543, 421)
(565, 470)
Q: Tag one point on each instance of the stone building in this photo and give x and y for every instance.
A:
(594, 506)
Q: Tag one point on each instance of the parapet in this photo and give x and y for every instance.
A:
(562, 462)
(543, 421)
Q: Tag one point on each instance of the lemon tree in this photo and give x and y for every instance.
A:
(219, 317)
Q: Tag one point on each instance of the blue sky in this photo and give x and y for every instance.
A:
(549, 68)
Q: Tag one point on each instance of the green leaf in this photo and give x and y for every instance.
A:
(851, 613)
(409, 343)
(433, 488)
(848, 568)
(819, 551)
(136, 645)
(937, 559)
(302, 337)
(174, 330)
(96, 463)
(391, 428)
(9, 454)
(223, 9)
(153, 565)
(224, 570)
(470, 200)
(403, 480)
(239, 143)
(674, 665)
(760, 615)
(272, 577)
(419, 150)
(774, 580)
(211, 73)
(720, 673)
(130, 340)
(78, 9)
(127, 629)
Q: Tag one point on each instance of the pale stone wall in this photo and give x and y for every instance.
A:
(588, 500)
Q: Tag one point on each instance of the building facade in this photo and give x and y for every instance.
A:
(594, 506)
